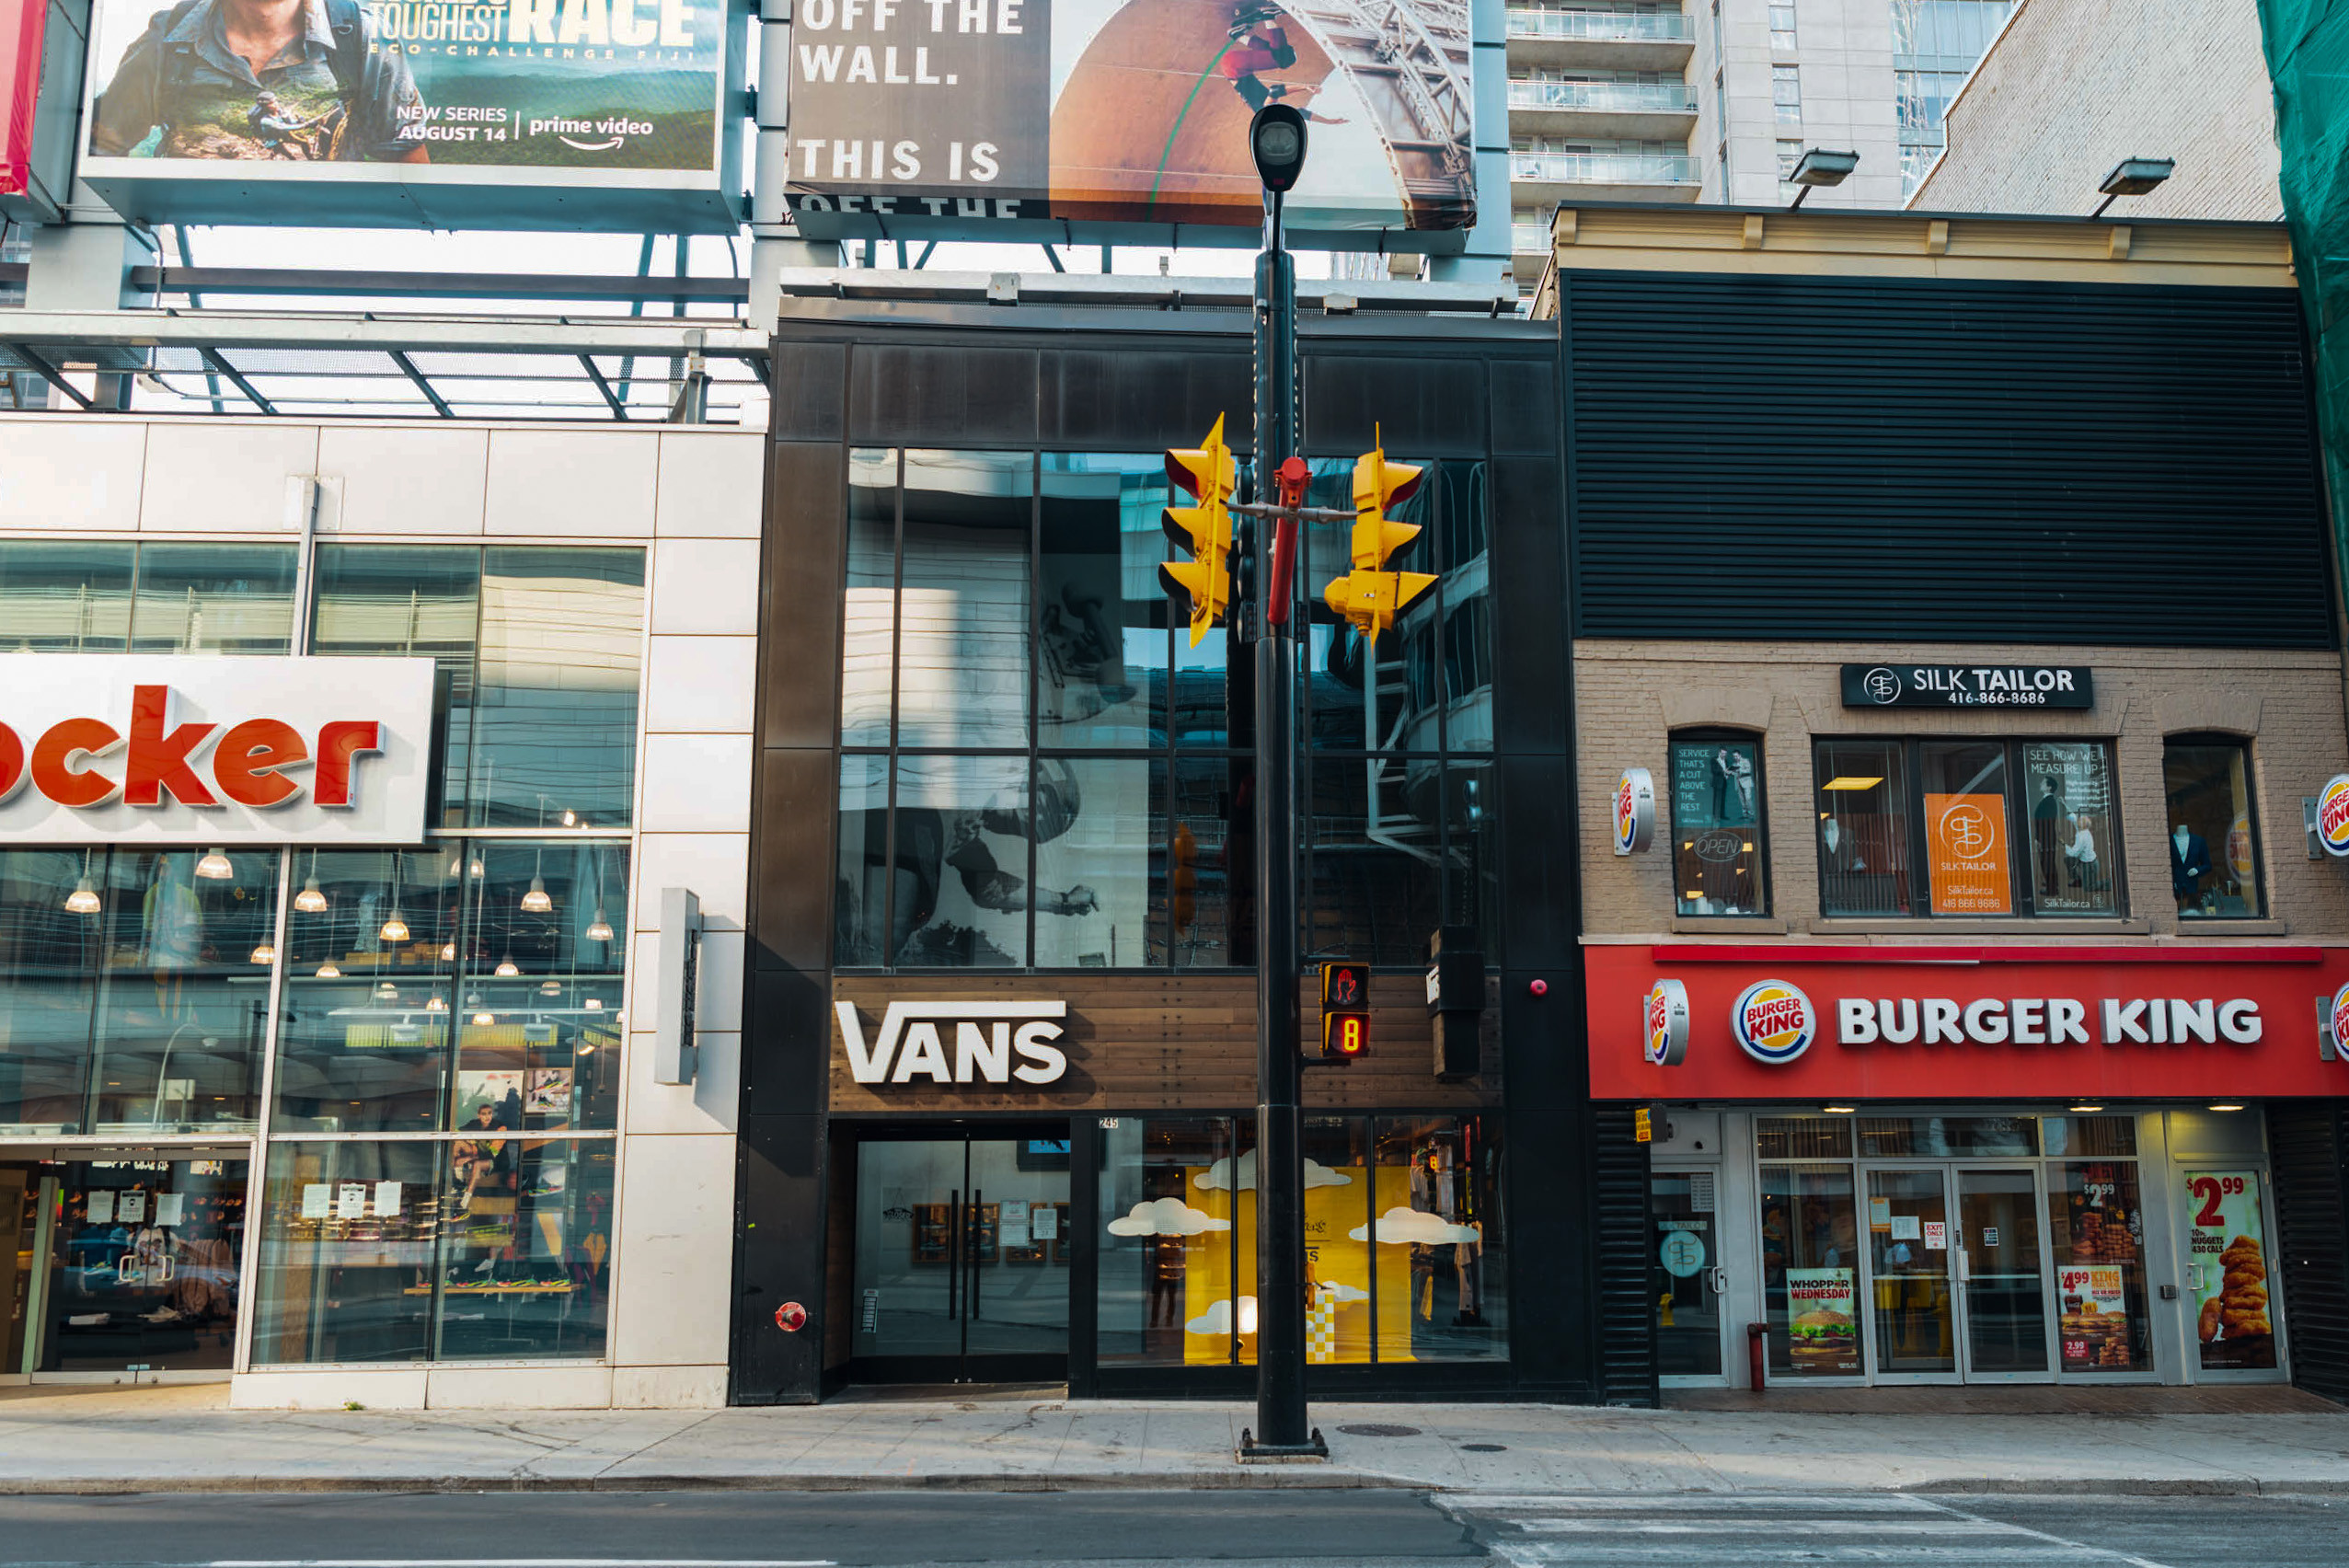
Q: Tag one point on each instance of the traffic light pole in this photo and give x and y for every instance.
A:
(1281, 1430)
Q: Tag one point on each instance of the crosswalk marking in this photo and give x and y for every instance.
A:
(1741, 1530)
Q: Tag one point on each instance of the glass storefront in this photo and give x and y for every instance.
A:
(437, 1027)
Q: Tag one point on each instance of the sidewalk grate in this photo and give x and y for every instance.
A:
(1379, 1429)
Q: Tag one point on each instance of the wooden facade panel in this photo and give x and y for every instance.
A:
(1146, 1044)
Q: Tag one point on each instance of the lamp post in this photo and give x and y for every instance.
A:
(2133, 177)
(1819, 167)
(1276, 142)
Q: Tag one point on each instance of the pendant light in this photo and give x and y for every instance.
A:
(536, 902)
(395, 930)
(214, 867)
(327, 971)
(601, 931)
(385, 991)
(436, 1004)
(266, 952)
(84, 899)
(310, 901)
(448, 952)
(594, 1004)
(550, 988)
(507, 968)
(484, 1021)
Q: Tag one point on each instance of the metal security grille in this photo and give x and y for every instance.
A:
(2311, 1226)
(1771, 456)
(1627, 1312)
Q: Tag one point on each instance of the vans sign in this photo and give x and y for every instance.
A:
(957, 1043)
(121, 748)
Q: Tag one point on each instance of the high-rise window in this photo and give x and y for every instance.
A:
(1782, 27)
(1786, 93)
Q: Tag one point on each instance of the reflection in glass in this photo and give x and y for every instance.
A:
(64, 597)
(146, 1257)
(415, 601)
(1687, 1249)
(1385, 696)
(50, 959)
(1900, 1137)
(1203, 836)
(860, 900)
(1093, 869)
(1101, 612)
(1172, 1243)
(2214, 855)
(1864, 828)
(542, 1044)
(2097, 1223)
(958, 881)
(2074, 847)
(214, 599)
(1909, 1228)
(868, 608)
(526, 1243)
(1803, 1138)
(1465, 542)
(1342, 1298)
(962, 640)
(1472, 855)
(555, 697)
(1376, 894)
(1810, 1270)
(2006, 1291)
(1717, 826)
(1969, 831)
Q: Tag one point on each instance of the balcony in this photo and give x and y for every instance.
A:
(1610, 40)
(1629, 111)
(1529, 240)
(1546, 178)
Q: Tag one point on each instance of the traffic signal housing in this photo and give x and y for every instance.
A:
(1345, 1011)
(1371, 598)
(1209, 474)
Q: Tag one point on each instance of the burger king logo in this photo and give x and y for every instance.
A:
(2338, 1018)
(1635, 811)
(1664, 1019)
(1774, 1022)
(2332, 815)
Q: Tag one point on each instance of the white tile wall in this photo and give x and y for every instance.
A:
(696, 783)
(219, 476)
(518, 1387)
(413, 481)
(384, 1389)
(669, 1388)
(70, 473)
(719, 1005)
(710, 484)
(670, 1297)
(715, 865)
(708, 1105)
(705, 585)
(571, 484)
(705, 684)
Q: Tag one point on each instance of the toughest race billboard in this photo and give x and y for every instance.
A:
(510, 113)
(951, 116)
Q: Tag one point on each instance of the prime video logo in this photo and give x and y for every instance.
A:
(985, 1041)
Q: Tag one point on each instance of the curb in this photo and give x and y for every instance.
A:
(1285, 1479)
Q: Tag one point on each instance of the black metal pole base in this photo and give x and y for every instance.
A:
(1252, 1452)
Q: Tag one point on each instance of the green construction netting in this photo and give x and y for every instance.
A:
(2308, 56)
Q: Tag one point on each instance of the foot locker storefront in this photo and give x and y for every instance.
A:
(1964, 1165)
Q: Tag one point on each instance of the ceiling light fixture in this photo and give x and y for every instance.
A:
(599, 929)
(507, 968)
(266, 952)
(214, 867)
(327, 971)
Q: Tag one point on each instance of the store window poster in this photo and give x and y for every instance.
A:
(1966, 843)
(2227, 1254)
(1822, 1323)
(2095, 1317)
(2068, 794)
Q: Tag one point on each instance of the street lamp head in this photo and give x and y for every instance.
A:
(1819, 167)
(1276, 140)
(2135, 176)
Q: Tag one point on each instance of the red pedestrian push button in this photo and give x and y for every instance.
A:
(790, 1316)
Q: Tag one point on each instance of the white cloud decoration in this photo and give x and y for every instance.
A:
(1218, 1319)
(1167, 1217)
(1340, 1291)
(1218, 1177)
(1402, 1227)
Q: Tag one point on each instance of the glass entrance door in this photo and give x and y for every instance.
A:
(962, 1259)
(1912, 1305)
(2004, 1298)
(1689, 1280)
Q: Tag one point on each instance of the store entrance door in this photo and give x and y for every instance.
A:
(962, 1257)
(1688, 1282)
(1957, 1288)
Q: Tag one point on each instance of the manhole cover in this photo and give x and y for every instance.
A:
(1379, 1429)
(1485, 1448)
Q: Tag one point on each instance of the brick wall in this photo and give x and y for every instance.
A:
(2073, 87)
(1629, 696)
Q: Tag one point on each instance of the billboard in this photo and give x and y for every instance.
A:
(576, 114)
(1011, 118)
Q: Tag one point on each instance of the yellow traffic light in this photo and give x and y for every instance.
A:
(1370, 598)
(1209, 473)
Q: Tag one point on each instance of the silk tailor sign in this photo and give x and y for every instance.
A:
(1967, 685)
(1973, 1023)
(122, 748)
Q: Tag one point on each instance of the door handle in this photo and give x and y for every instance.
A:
(976, 1197)
(1720, 1281)
(953, 1253)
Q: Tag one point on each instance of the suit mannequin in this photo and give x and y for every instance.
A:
(2189, 863)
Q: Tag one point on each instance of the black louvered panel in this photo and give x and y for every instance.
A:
(2305, 1145)
(1977, 462)
(1627, 1312)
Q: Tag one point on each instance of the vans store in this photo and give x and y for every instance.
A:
(328, 787)
(1000, 1122)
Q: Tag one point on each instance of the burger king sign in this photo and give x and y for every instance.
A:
(1774, 1022)
(1664, 1019)
(1635, 811)
(2332, 815)
(2336, 1019)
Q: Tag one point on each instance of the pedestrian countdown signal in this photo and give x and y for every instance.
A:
(1345, 1011)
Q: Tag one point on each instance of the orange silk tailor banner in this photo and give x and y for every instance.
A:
(1965, 841)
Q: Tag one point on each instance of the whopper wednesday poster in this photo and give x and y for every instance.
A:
(1128, 110)
(521, 84)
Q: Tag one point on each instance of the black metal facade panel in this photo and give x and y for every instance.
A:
(942, 395)
(1827, 458)
(1097, 396)
(1350, 399)
(2305, 1145)
(1627, 1312)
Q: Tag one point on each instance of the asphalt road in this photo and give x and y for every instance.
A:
(1165, 1530)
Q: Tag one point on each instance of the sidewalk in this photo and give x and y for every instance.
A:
(111, 1440)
